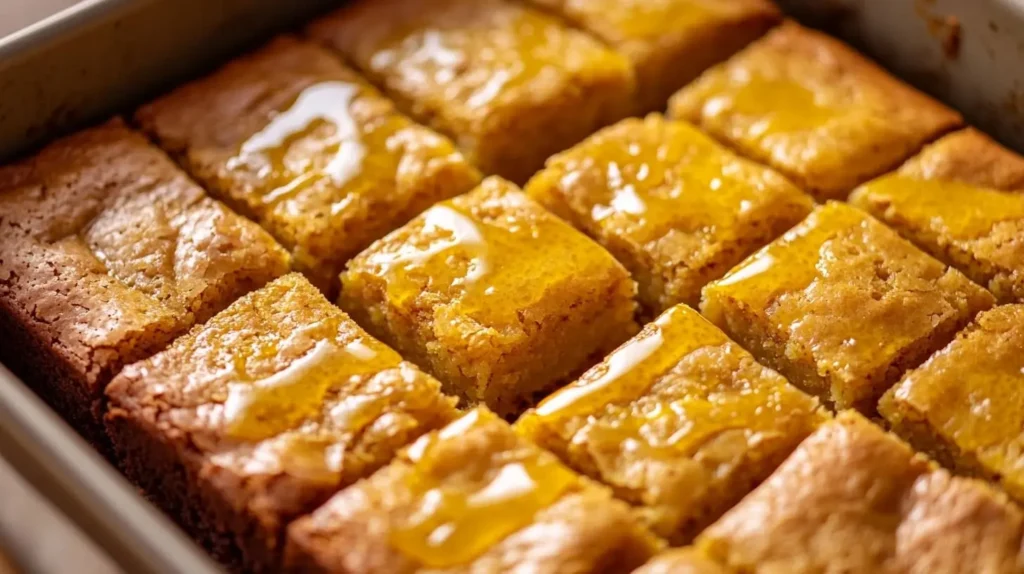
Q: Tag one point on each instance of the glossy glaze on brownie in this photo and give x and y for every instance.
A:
(107, 253)
(294, 139)
(261, 414)
(472, 497)
(680, 422)
(962, 200)
(964, 405)
(814, 109)
(492, 294)
(669, 42)
(842, 306)
(509, 84)
(676, 208)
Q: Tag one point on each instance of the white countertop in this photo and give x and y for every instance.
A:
(16, 14)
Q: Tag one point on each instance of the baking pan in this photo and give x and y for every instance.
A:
(103, 56)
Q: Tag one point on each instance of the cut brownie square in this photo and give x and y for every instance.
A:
(680, 422)
(814, 109)
(492, 294)
(669, 42)
(687, 560)
(842, 306)
(962, 200)
(510, 85)
(290, 137)
(677, 209)
(109, 252)
(262, 414)
(964, 405)
(852, 498)
(472, 497)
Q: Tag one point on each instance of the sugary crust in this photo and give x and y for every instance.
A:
(869, 121)
(109, 252)
(238, 486)
(548, 302)
(401, 168)
(510, 85)
(669, 42)
(583, 531)
(677, 209)
(854, 499)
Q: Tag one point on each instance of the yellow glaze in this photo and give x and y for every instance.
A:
(479, 55)
(493, 252)
(644, 179)
(263, 408)
(950, 209)
(780, 105)
(791, 263)
(319, 142)
(970, 394)
(460, 518)
(628, 372)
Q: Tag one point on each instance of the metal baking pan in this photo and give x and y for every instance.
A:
(103, 56)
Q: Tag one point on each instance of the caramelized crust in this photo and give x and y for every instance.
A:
(854, 499)
(680, 422)
(261, 414)
(964, 407)
(677, 209)
(108, 253)
(492, 294)
(510, 85)
(669, 42)
(842, 306)
(295, 140)
(961, 201)
(814, 109)
(472, 497)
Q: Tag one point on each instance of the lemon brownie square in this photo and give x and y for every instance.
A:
(962, 200)
(261, 414)
(509, 84)
(853, 498)
(493, 295)
(107, 253)
(680, 422)
(842, 306)
(676, 208)
(472, 497)
(669, 42)
(814, 109)
(294, 139)
(963, 406)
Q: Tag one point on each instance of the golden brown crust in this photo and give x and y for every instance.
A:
(304, 109)
(813, 108)
(971, 157)
(854, 499)
(510, 85)
(269, 408)
(109, 252)
(687, 560)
